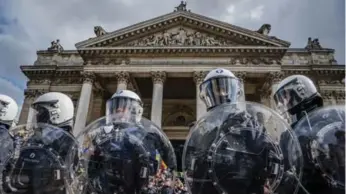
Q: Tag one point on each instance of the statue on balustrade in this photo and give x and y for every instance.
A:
(56, 46)
(313, 44)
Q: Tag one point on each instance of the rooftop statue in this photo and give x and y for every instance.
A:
(313, 44)
(55, 46)
(181, 7)
(265, 29)
(99, 31)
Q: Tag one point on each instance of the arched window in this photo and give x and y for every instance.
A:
(178, 119)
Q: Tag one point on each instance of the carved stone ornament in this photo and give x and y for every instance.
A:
(99, 31)
(32, 93)
(55, 46)
(329, 82)
(326, 94)
(180, 36)
(88, 77)
(340, 95)
(275, 77)
(158, 76)
(40, 81)
(198, 76)
(253, 61)
(123, 77)
(241, 76)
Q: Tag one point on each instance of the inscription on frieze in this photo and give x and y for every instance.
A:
(181, 36)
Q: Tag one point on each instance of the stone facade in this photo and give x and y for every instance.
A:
(177, 46)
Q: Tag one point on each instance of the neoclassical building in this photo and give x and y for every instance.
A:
(164, 60)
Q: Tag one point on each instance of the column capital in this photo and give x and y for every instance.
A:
(198, 76)
(326, 94)
(340, 95)
(88, 77)
(33, 93)
(158, 76)
(241, 75)
(275, 77)
(123, 77)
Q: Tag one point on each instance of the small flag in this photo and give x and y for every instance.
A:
(163, 165)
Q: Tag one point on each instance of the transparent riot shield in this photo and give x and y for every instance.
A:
(37, 163)
(242, 148)
(121, 155)
(6, 148)
(322, 136)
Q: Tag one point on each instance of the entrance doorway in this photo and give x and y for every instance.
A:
(178, 146)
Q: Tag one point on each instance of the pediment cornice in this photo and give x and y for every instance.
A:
(192, 20)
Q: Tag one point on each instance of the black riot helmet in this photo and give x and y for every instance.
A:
(296, 94)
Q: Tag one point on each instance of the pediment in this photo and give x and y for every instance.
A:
(181, 28)
(180, 36)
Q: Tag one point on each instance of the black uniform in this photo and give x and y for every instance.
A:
(312, 179)
(131, 165)
(38, 170)
(6, 143)
(252, 166)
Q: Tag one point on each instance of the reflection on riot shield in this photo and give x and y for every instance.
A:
(322, 136)
(6, 147)
(236, 148)
(37, 163)
(124, 156)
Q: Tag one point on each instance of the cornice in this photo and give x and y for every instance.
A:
(303, 50)
(51, 53)
(182, 18)
(196, 50)
(50, 71)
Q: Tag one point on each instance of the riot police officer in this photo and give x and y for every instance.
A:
(8, 112)
(232, 149)
(122, 147)
(39, 163)
(299, 102)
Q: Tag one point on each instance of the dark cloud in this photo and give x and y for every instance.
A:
(27, 26)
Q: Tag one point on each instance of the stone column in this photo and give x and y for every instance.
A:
(83, 102)
(123, 79)
(241, 76)
(156, 103)
(26, 113)
(201, 109)
(274, 79)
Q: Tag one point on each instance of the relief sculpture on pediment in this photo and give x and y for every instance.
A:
(180, 37)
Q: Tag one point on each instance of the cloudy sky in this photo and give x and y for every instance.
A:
(30, 25)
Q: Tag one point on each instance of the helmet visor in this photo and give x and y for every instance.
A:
(293, 93)
(123, 107)
(45, 112)
(220, 90)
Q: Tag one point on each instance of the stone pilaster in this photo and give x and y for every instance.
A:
(241, 76)
(157, 99)
(123, 78)
(83, 102)
(198, 77)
